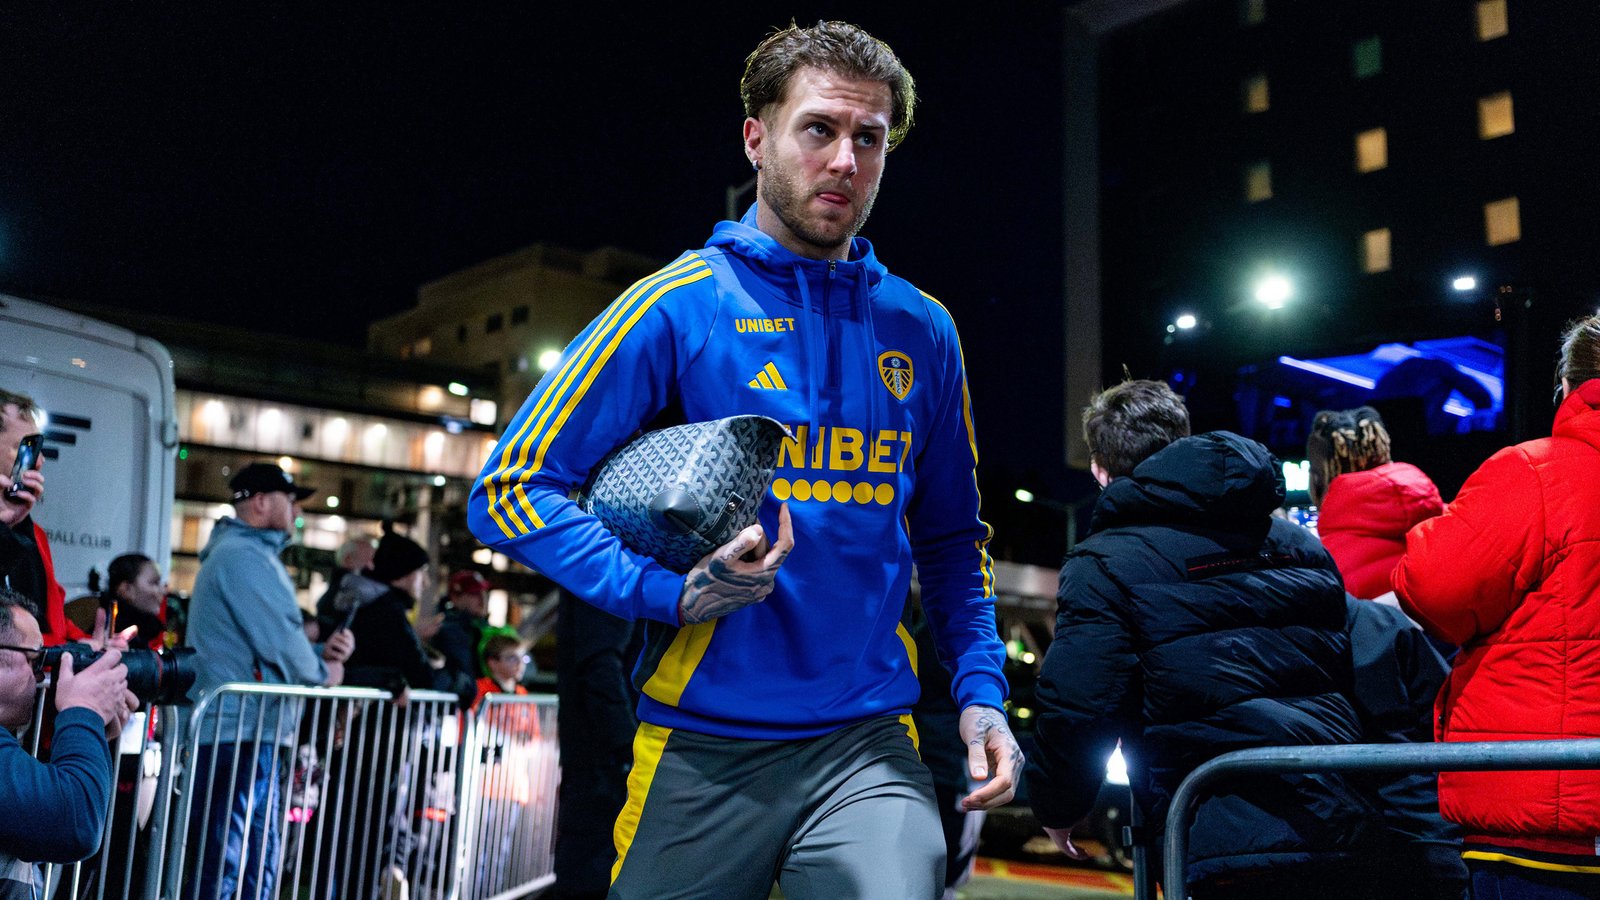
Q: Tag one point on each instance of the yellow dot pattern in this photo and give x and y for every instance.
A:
(837, 491)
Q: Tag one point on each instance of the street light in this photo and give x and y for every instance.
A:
(1273, 290)
(1026, 496)
(548, 360)
(1464, 283)
(1186, 322)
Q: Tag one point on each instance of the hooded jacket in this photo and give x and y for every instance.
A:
(1191, 622)
(245, 626)
(879, 474)
(1511, 571)
(1364, 519)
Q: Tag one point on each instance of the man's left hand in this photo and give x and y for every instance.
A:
(103, 639)
(992, 756)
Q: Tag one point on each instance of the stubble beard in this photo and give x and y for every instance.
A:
(787, 201)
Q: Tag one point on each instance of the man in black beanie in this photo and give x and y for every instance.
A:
(389, 652)
(393, 659)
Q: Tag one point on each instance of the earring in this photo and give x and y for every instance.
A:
(755, 165)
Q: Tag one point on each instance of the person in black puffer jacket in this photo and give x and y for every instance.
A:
(1191, 622)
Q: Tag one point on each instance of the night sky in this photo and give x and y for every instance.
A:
(302, 170)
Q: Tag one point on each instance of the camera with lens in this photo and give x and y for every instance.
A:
(162, 678)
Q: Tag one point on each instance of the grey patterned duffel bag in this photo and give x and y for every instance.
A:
(678, 493)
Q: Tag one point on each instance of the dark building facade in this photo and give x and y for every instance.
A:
(1292, 196)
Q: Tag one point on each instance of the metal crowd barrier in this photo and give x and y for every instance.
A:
(342, 793)
(508, 797)
(1486, 756)
(110, 871)
(317, 793)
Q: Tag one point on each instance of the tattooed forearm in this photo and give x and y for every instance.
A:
(989, 720)
(717, 590)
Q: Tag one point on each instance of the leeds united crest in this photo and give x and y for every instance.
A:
(894, 368)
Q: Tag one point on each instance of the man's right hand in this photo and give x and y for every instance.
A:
(15, 507)
(103, 688)
(741, 572)
(339, 646)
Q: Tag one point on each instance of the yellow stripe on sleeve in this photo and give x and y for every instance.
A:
(910, 644)
(579, 364)
(985, 562)
(605, 356)
(649, 742)
(501, 501)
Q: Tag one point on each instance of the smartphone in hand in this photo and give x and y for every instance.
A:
(27, 458)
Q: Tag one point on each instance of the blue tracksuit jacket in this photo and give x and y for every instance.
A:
(880, 475)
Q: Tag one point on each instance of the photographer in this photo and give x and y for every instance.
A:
(66, 798)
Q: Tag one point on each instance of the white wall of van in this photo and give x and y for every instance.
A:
(111, 437)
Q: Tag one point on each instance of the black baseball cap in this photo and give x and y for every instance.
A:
(266, 478)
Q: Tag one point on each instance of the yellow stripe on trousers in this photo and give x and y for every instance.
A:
(648, 744)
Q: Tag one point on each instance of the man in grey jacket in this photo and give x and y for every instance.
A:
(246, 627)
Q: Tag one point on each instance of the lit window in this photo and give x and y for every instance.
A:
(1252, 12)
(482, 412)
(422, 347)
(1258, 182)
(1372, 150)
(1375, 251)
(1492, 21)
(1366, 57)
(1502, 221)
(1494, 116)
(1256, 99)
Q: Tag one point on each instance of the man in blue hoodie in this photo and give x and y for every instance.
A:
(246, 627)
(776, 681)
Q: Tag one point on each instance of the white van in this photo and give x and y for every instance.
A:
(110, 439)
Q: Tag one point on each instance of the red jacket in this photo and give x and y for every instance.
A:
(1511, 571)
(1364, 519)
(61, 629)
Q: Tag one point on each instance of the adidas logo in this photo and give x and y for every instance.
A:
(768, 379)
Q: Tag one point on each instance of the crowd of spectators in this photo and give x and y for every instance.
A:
(1193, 619)
(1196, 619)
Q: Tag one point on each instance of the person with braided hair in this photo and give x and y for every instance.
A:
(1366, 501)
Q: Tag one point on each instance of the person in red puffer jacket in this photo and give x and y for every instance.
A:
(1366, 502)
(1511, 571)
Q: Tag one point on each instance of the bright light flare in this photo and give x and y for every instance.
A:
(1273, 291)
(1025, 496)
(1186, 321)
(1464, 283)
